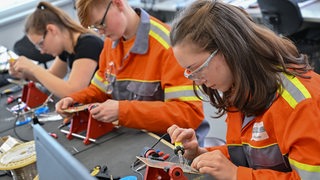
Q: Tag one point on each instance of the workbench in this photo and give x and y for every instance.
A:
(117, 149)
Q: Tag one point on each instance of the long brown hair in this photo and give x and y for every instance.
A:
(45, 14)
(254, 54)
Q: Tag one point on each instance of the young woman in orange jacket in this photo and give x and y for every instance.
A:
(269, 91)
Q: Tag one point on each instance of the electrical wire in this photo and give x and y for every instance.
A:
(163, 136)
(34, 117)
(18, 115)
(135, 171)
(15, 130)
(5, 173)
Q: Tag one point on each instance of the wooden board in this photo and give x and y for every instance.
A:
(77, 108)
(164, 164)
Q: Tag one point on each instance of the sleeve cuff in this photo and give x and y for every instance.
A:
(244, 173)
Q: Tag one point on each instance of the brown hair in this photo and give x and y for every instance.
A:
(48, 14)
(254, 54)
(84, 7)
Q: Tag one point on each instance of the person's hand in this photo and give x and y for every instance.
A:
(107, 111)
(63, 104)
(215, 164)
(24, 65)
(188, 139)
(13, 72)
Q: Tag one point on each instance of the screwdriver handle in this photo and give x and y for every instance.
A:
(178, 147)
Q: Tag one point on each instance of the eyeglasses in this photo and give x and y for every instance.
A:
(40, 44)
(102, 25)
(194, 75)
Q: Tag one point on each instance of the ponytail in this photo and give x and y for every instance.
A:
(45, 14)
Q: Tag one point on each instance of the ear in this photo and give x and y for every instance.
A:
(52, 29)
(119, 4)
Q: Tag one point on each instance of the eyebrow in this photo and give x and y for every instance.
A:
(97, 22)
(188, 67)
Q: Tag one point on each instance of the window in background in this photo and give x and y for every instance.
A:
(14, 10)
(6, 5)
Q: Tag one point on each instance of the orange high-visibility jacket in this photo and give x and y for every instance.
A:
(283, 142)
(147, 80)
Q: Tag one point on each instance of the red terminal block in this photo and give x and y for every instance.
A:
(32, 96)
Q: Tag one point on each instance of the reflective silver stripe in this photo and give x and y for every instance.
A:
(99, 83)
(305, 171)
(160, 33)
(184, 93)
(292, 89)
(291, 93)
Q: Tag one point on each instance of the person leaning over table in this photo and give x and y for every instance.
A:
(139, 83)
(270, 94)
(53, 32)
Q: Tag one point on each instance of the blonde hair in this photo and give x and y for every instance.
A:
(84, 7)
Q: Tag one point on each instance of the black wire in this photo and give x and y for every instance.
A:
(5, 173)
(15, 124)
(15, 131)
(166, 134)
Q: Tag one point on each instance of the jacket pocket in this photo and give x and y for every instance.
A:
(145, 90)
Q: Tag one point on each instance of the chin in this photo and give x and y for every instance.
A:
(112, 37)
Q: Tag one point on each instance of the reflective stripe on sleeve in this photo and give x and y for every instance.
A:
(293, 91)
(305, 171)
(99, 82)
(160, 33)
(183, 93)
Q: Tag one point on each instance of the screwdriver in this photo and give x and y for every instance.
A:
(179, 151)
(66, 121)
(11, 90)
